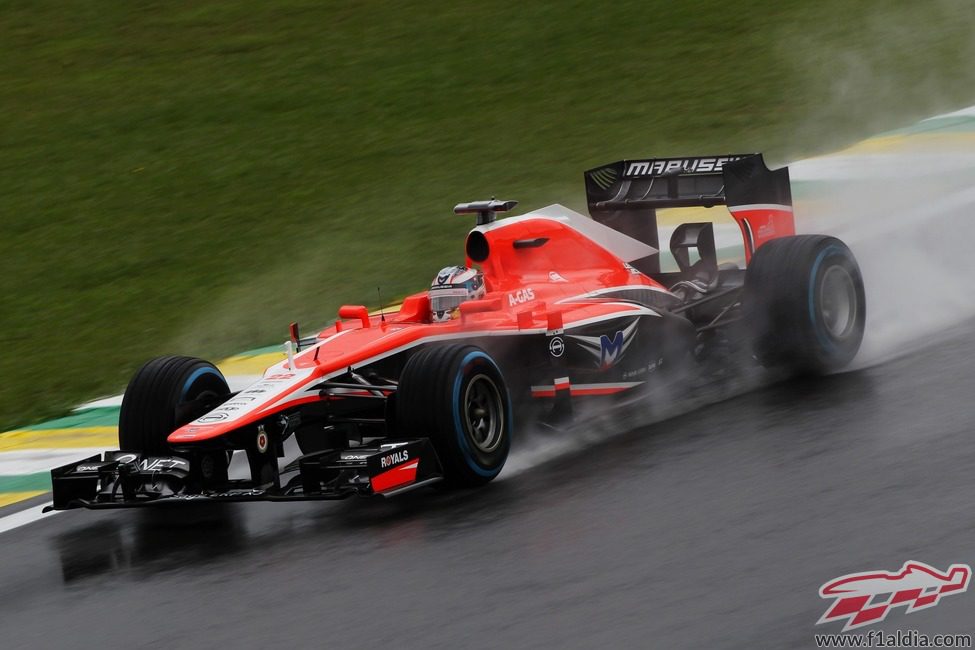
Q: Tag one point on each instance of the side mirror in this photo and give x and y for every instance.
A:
(295, 336)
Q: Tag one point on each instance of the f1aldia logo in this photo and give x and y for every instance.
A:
(866, 598)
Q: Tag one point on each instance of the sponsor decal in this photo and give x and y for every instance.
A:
(262, 441)
(556, 346)
(767, 229)
(251, 492)
(148, 464)
(520, 296)
(632, 269)
(555, 277)
(866, 598)
(400, 475)
(608, 350)
(215, 416)
(87, 468)
(646, 168)
(651, 367)
(154, 464)
(394, 458)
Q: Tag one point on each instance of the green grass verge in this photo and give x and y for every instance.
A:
(191, 175)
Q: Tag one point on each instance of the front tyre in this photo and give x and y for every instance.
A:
(456, 396)
(166, 393)
(804, 304)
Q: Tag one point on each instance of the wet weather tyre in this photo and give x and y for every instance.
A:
(456, 396)
(164, 394)
(804, 304)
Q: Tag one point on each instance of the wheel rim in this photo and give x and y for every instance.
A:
(483, 416)
(838, 302)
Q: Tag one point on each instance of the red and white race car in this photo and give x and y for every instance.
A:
(551, 307)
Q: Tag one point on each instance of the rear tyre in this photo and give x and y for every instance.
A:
(456, 396)
(804, 304)
(166, 393)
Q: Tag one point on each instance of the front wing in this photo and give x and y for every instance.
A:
(119, 479)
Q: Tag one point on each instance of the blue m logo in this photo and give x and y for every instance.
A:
(610, 349)
(605, 350)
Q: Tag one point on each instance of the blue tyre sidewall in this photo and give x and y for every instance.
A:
(194, 377)
(470, 361)
(819, 327)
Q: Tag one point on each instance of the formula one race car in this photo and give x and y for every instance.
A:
(551, 308)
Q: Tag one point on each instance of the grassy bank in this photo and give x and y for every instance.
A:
(190, 176)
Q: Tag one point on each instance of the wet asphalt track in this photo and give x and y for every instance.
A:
(714, 529)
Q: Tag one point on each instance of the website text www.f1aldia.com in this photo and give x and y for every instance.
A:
(895, 639)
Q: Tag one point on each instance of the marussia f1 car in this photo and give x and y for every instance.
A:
(551, 308)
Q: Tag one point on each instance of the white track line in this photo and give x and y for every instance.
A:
(24, 517)
(35, 461)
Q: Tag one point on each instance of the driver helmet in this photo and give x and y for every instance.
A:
(452, 286)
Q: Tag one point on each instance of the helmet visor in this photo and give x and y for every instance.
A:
(446, 300)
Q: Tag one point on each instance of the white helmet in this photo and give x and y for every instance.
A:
(452, 286)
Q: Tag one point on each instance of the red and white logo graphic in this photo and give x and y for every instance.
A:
(865, 598)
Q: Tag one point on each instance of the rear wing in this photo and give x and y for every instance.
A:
(626, 195)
